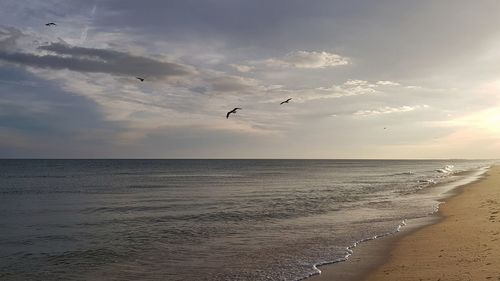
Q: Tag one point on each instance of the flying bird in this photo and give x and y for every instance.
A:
(142, 79)
(288, 100)
(50, 24)
(232, 111)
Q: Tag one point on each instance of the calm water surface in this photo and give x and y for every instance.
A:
(202, 219)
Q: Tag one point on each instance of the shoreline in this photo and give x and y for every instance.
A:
(373, 256)
(368, 255)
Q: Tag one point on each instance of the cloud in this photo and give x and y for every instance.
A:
(356, 82)
(347, 89)
(81, 59)
(242, 68)
(85, 30)
(9, 37)
(39, 118)
(387, 83)
(306, 59)
(389, 110)
(232, 84)
(251, 60)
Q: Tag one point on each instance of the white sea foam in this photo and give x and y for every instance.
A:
(350, 250)
(446, 169)
(474, 175)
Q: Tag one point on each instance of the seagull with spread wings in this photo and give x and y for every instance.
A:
(232, 111)
(287, 101)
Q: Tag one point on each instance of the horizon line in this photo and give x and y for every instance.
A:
(246, 158)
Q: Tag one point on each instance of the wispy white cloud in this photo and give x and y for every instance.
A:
(85, 30)
(352, 87)
(307, 59)
(387, 83)
(242, 68)
(389, 110)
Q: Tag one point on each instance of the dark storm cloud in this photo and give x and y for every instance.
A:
(95, 60)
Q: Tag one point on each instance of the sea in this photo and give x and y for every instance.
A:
(207, 219)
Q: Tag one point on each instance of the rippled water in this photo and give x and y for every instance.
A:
(202, 219)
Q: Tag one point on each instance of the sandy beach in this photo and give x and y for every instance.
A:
(463, 245)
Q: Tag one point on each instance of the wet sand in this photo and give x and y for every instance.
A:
(463, 245)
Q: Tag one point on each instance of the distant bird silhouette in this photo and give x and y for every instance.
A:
(288, 100)
(232, 111)
(142, 79)
(385, 128)
(50, 24)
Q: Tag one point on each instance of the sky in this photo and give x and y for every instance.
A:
(368, 79)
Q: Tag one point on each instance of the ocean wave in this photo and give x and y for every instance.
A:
(430, 181)
(350, 250)
(409, 173)
(446, 169)
(191, 175)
